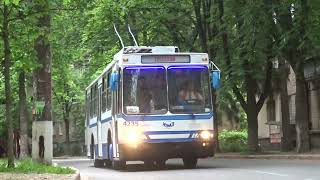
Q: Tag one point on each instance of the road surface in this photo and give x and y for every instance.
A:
(213, 169)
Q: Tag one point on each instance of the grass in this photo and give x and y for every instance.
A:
(29, 166)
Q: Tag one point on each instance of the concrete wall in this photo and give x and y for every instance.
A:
(263, 125)
(263, 128)
(314, 99)
(42, 128)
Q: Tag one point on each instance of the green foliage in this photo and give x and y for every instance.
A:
(29, 166)
(83, 42)
(233, 140)
(16, 2)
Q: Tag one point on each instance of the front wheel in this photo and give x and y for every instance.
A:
(190, 162)
(160, 164)
(98, 163)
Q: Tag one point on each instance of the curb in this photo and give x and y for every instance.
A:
(288, 157)
(76, 175)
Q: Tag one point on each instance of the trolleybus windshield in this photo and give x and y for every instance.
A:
(189, 90)
(145, 90)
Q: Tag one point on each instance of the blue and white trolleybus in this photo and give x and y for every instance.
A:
(151, 104)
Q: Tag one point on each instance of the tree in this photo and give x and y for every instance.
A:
(207, 31)
(23, 117)
(285, 116)
(246, 22)
(7, 64)
(20, 63)
(42, 75)
(298, 23)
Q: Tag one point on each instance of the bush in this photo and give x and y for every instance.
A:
(29, 166)
(233, 140)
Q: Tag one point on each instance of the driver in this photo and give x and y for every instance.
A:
(188, 92)
(144, 96)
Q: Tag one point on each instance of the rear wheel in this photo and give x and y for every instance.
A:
(118, 165)
(98, 163)
(149, 164)
(190, 162)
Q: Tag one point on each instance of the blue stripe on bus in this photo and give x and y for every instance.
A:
(92, 125)
(168, 132)
(192, 132)
(102, 121)
(169, 117)
(184, 117)
(106, 120)
(171, 140)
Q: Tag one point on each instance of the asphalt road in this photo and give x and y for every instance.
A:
(213, 169)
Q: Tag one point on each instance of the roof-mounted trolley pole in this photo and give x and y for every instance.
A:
(115, 29)
(134, 39)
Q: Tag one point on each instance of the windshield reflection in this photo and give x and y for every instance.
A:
(189, 90)
(145, 90)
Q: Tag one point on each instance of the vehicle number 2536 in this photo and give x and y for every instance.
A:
(131, 123)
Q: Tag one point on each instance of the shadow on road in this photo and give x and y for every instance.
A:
(143, 168)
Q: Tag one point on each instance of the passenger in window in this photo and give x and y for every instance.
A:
(144, 96)
(189, 93)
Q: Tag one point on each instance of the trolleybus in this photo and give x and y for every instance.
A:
(151, 104)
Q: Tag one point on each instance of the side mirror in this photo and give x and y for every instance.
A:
(215, 78)
(114, 80)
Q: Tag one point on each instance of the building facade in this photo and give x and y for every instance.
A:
(269, 118)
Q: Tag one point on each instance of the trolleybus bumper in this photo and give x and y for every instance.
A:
(145, 151)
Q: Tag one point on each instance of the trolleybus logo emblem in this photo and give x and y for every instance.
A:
(168, 124)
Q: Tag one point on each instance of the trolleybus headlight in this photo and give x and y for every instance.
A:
(205, 135)
(134, 137)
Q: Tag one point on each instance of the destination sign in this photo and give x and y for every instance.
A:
(149, 59)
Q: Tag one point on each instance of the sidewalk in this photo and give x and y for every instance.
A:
(272, 155)
(70, 157)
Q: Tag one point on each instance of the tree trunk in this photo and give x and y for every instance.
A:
(7, 64)
(285, 116)
(200, 25)
(252, 131)
(67, 129)
(43, 51)
(23, 117)
(66, 118)
(252, 116)
(302, 120)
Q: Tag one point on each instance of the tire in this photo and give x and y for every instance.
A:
(149, 164)
(98, 163)
(107, 162)
(118, 165)
(160, 164)
(91, 151)
(190, 162)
